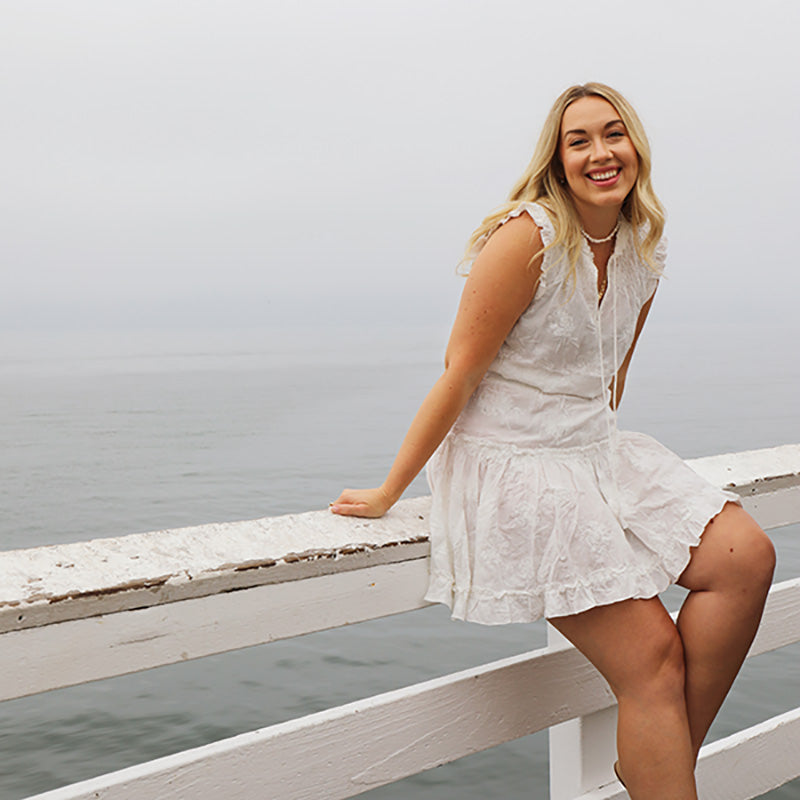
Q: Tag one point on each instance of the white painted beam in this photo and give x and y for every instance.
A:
(751, 762)
(742, 766)
(383, 739)
(77, 651)
(348, 750)
(44, 585)
(47, 585)
(767, 480)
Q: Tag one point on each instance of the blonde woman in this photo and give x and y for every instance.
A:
(541, 507)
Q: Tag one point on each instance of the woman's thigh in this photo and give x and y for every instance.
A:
(733, 552)
(628, 642)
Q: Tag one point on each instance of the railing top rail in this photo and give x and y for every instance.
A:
(44, 585)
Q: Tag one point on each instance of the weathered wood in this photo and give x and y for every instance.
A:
(753, 471)
(76, 651)
(47, 585)
(768, 481)
(51, 584)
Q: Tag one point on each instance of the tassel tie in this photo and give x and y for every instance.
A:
(610, 488)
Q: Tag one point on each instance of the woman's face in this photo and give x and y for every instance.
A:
(599, 159)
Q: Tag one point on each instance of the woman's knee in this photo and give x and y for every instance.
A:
(734, 554)
(752, 558)
(763, 552)
(658, 671)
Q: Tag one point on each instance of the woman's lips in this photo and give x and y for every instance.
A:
(605, 177)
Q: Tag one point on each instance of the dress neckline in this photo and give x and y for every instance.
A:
(619, 243)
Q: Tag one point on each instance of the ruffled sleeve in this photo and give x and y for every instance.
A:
(534, 211)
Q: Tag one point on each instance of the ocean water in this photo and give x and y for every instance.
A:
(114, 434)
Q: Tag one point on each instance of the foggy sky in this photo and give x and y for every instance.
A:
(214, 164)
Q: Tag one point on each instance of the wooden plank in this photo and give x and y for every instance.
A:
(356, 747)
(44, 585)
(777, 509)
(780, 625)
(742, 766)
(582, 750)
(754, 471)
(768, 481)
(67, 653)
(77, 651)
(48, 585)
(751, 762)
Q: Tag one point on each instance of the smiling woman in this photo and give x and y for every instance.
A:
(541, 507)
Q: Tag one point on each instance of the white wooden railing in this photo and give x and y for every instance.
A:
(81, 612)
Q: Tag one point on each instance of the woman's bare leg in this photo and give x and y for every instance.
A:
(728, 576)
(636, 647)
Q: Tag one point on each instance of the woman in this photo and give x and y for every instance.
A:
(541, 507)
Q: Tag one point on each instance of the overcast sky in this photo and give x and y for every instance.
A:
(242, 162)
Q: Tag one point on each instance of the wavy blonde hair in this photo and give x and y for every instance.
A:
(543, 183)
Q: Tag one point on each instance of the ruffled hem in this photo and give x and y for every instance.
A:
(497, 559)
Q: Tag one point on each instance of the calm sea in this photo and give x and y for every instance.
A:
(114, 434)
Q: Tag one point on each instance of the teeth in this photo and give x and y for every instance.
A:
(604, 176)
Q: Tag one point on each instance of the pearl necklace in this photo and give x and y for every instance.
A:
(604, 239)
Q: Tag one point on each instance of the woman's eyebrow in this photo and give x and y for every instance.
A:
(607, 125)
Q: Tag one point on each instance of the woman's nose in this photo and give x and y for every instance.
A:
(600, 149)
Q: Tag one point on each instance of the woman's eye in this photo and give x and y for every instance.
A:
(577, 142)
(616, 135)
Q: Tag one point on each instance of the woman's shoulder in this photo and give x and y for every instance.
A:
(532, 212)
(517, 233)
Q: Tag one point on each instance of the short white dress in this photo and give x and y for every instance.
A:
(541, 507)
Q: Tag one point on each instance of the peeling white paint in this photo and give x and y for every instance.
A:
(43, 585)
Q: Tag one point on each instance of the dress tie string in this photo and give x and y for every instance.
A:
(612, 491)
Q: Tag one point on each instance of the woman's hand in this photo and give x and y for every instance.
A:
(362, 503)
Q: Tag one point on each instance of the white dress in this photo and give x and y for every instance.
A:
(541, 507)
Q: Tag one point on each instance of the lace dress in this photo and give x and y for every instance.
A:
(541, 507)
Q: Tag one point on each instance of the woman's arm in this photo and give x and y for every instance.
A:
(500, 286)
(622, 372)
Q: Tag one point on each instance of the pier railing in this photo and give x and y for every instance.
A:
(82, 612)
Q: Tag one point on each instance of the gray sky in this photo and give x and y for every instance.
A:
(249, 163)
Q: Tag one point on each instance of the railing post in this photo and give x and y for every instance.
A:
(583, 750)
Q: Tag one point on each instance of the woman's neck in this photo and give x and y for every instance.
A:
(599, 222)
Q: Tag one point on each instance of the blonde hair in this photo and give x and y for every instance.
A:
(543, 183)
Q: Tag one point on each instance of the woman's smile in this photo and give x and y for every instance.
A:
(604, 177)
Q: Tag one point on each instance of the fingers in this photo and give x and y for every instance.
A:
(359, 503)
(354, 510)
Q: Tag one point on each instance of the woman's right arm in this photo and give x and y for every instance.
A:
(500, 286)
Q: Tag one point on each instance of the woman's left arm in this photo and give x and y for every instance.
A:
(623, 368)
